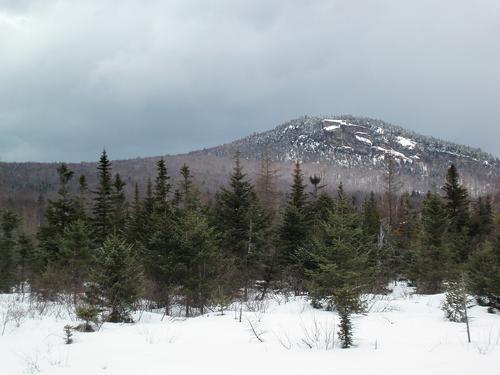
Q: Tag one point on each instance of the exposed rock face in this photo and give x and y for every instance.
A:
(361, 145)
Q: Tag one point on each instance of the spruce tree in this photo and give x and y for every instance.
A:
(242, 225)
(433, 264)
(483, 271)
(344, 271)
(76, 256)
(457, 205)
(60, 215)
(103, 201)
(9, 224)
(117, 279)
(162, 189)
(293, 233)
(136, 224)
(119, 213)
(161, 239)
(25, 261)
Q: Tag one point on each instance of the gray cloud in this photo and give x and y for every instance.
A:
(147, 78)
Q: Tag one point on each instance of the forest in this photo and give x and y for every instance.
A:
(170, 248)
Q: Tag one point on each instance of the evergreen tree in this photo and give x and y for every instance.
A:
(242, 225)
(103, 201)
(161, 241)
(484, 273)
(60, 215)
(457, 205)
(119, 205)
(433, 264)
(162, 189)
(186, 195)
(197, 260)
(405, 240)
(293, 233)
(482, 224)
(343, 271)
(76, 256)
(117, 279)
(9, 223)
(26, 258)
(136, 223)
(371, 218)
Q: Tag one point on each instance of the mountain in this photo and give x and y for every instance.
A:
(354, 149)
(346, 149)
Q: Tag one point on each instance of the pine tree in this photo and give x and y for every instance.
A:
(76, 256)
(136, 224)
(161, 238)
(162, 189)
(457, 205)
(483, 271)
(119, 213)
(405, 240)
(371, 218)
(343, 271)
(103, 206)
(117, 279)
(197, 260)
(186, 195)
(25, 261)
(9, 224)
(482, 225)
(60, 215)
(293, 233)
(242, 225)
(433, 264)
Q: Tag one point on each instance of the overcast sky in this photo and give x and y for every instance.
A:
(144, 78)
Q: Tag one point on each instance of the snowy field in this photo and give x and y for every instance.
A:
(401, 334)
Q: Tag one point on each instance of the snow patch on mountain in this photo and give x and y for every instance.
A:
(406, 142)
(364, 140)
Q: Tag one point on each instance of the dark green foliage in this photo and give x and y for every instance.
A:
(90, 315)
(457, 205)
(371, 218)
(162, 189)
(60, 214)
(344, 269)
(75, 256)
(433, 263)
(197, 258)
(293, 233)
(482, 224)
(242, 225)
(405, 237)
(119, 214)
(342, 252)
(455, 303)
(25, 261)
(68, 334)
(103, 201)
(484, 273)
(117, 279)
(9, 223)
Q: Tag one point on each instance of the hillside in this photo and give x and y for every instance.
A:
(343, 149)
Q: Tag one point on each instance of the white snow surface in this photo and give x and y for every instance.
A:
(363, 139)
(406, 142)
(401, 333)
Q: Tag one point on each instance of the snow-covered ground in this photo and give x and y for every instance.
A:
(401, 334)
